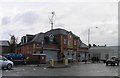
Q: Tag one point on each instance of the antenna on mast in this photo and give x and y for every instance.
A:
(52, 14)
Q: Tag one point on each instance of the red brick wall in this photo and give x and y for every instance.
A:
(55, 46)
(58, 39)
(24, 49)
(75, 46)
(27, 48)
(83, 50)
(65, 46)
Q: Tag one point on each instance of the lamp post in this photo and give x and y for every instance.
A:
(89, 36)
(88, 43)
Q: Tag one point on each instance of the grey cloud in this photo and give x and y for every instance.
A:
(60, 25)
(6, 20)
(61, 17)
(27, 18)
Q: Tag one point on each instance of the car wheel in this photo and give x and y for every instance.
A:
(117, 64)
(113, 64)
(9, 66)
(3, 68)
(106, 64)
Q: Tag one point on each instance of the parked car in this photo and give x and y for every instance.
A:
(14, 56)
(5, 63)
(112, 61)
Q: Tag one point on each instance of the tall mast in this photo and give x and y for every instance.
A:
(52, 14)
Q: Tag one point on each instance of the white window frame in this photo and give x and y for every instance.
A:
(65, 41)
(75, 42)
(51, 37)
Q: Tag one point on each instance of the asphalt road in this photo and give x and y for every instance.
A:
(80, 69)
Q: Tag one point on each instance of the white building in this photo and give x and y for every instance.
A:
(103, 52)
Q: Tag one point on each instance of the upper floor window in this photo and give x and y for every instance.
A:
(65, 41)
(37, 44)
(51, 38)
(75, 43)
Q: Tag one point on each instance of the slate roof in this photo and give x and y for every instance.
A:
(81, 44)
(4, 43)
(29, 37)
(44, 36)
(38, 37)
(56, 32)
(59, 31)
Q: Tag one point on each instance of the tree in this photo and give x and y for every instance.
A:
(13, 43)
(94, 45)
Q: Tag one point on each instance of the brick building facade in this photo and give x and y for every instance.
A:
(57, 44)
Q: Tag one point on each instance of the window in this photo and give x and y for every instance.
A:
(65, 41)
(75, 43)
(106, 56)
(37, 44)
(51, 38)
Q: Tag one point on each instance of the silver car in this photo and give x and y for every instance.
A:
(5, 63)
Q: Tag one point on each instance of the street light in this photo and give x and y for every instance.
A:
(89, 36)
(88, 42)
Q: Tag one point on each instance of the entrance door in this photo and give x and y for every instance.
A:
(51, 55)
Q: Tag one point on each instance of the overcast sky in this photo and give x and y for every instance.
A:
(21, 18)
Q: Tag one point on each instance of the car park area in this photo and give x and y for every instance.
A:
(76, 69)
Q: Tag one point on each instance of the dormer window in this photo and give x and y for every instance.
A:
(51, 38)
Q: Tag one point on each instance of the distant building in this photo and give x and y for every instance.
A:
(103, 52)
(4, 46)
(57, 44)
(83, 52)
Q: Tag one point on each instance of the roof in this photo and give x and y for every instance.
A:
(38, 38)
(4, 43)
(59, 31)
(103, 47)
(56, 32)
(29, 37)
(41, 36)
(44, 37)
(83, 45)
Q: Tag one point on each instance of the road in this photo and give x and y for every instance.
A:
(80, 69)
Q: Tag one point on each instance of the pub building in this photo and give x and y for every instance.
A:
(57, 44)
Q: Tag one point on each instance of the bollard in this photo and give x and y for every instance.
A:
(52, 62)
(66, 62)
